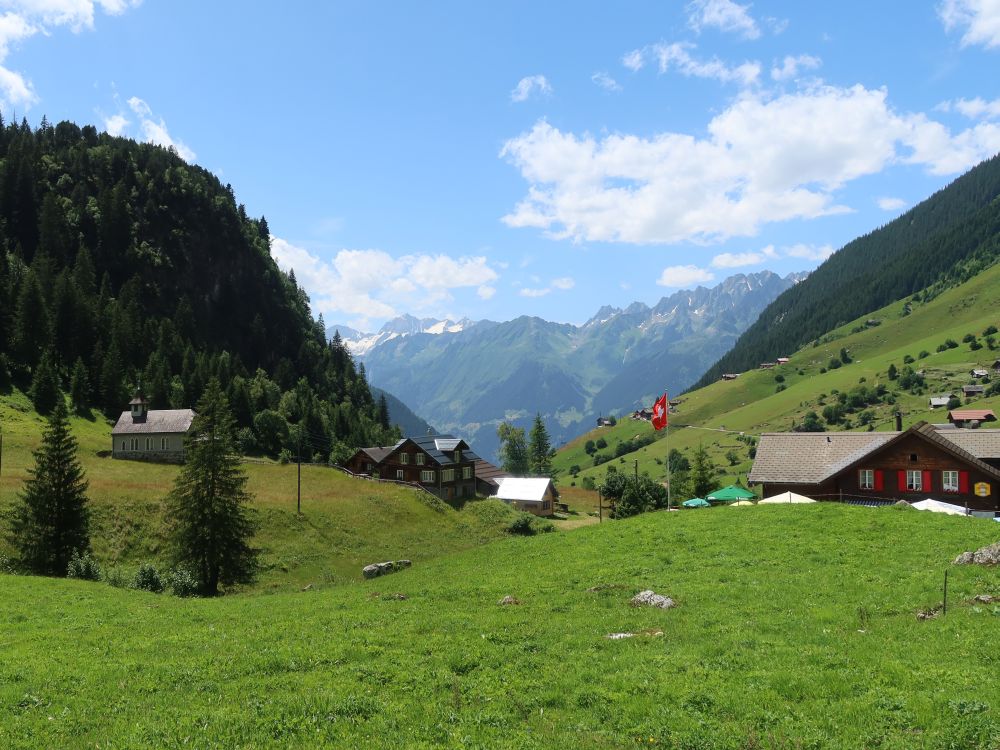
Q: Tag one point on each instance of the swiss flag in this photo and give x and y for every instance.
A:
(660, 413)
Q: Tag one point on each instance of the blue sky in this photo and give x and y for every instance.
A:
(491, 160)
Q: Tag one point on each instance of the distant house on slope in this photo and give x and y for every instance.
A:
(979, 372)
(936, 402)
(534, 495)
(442, 464)
(730, 375)
(971, 417)
(783, 360)
(973, 390)
(148, 434)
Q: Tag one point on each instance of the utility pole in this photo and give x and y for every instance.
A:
(299, 505)
(600, 507)
(637, 470)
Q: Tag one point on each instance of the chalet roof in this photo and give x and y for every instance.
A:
(973, 389)
(156, 421)
(811, 457)
(489, 473)
(814, 457)
(981, 443)
(980, 372)
(965, 415)
(438, 447)
(376, 454)
(939, 400)
(520, 488)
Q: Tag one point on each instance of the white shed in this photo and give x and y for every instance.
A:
(532, 495)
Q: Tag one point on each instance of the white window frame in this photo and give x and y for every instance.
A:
(133, 444)
(447, 475)
(420, 459)
(466, 472)
(399, 474)
(914, 480)
(427, 475)
(404, 458)
(949, 481)
(866, 479)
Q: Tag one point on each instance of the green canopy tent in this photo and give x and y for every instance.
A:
(731, 494)
(696, 502)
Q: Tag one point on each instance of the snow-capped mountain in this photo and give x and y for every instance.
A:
(360, 343)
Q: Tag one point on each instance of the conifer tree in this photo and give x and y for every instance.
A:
(44, 391)
(211, 523)
(702, 473)
(79, 387)
(51, 521)
(539, 448)
(383, 412)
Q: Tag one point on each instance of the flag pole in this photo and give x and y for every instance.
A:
(666, 439)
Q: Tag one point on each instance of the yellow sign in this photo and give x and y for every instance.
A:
(982, 489)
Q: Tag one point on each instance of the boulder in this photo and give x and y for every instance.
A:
(652, 599)
(989, 555)
(508, 601)
(371, 571)
(964, 559)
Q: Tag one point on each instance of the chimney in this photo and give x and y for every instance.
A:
(899, 421)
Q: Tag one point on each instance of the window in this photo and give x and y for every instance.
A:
(369, 466)
(949, 481)
(866, 479)
(420, 459)
(448, 475)
(399, 474)
(164, 443)
(149, 444)
(133, 444)
(426, 475)
(914, 480)
(458, 457)
(404, 458)
(466, 472)
(123, 445)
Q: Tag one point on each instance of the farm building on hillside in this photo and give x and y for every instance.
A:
(979, 372)
(936, 402)
(534, 495)
(971, 417)
(957, 466)
(972, 390)
(730, 375)
(783, 360)
(148, 434)
(996, 367)
(488, 478)
(441, 464)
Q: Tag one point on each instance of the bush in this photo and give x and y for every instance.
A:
(285, 456)
(147, 578)
(907, 359)
(83, 567)
(601, 443)
(528, 525)
(990, 330)
(588, 483)
(923, 354)
(968, 338)
(7, 565)
(181, 582)
(951, 344)
(779, 378)
(834, 363)
(115, 577)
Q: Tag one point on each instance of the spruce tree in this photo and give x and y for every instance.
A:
(383, 412)
(539, 448)
(44, 391)
(51, 522)
(79, 388)
(211, 525)
(702, 473)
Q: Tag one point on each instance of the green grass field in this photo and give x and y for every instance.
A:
(753, 404)
(346, 523)
(796, 627)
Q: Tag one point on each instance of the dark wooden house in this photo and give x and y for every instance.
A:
(961, 467)
(443, 464)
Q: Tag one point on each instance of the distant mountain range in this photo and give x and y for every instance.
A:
(467, 376)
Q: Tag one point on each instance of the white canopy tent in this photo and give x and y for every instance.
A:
(786, 497)
(936, 506)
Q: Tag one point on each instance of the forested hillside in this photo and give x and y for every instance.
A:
(945, 240)
(121, 264)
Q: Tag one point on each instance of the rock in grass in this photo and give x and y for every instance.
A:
(989, 555)
(619, 636)
(652, 599)
(371, 571)
(508, 601)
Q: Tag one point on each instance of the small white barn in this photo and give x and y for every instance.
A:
(151, 435)
(532, 495)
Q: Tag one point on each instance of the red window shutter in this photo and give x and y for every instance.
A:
(879, 480)
(902, 480)
(926, 484)
(963, 482)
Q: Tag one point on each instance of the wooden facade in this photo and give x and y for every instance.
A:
(439, 463)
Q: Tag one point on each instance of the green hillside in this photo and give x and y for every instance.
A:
(757, 403)
(767, 648)
(346, 523)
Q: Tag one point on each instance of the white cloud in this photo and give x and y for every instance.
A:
(791, 66)
(26, 18)
(526, 292)
(978, 20)
(891, 204)
(370, 283)
(140, 107)
(528, 86)
(563, 283)
(764, 159)
(605, 81)
(116, 124)
(634, 60)
(738, 260)
(151, 129)
(974, 109)
(678, 57)
(809, 252)
(683, 276)
(724, 15)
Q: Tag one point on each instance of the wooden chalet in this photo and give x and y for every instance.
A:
(442, 464)
(961, 467)
(536, 495)
(996, 367)
(730, 375)
(971, 417)
(973, 390)
(783, 360)
(488, 478)
(936, 402)
(979, 372)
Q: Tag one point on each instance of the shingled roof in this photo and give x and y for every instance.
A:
(814, 457)
(981, 443)
(439, 446)
(157, 421)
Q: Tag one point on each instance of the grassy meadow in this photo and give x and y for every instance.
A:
(345, 524)
(796, 627)
(756, 402)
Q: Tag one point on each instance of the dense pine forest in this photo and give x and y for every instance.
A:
(121, 266)
(940, 243)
